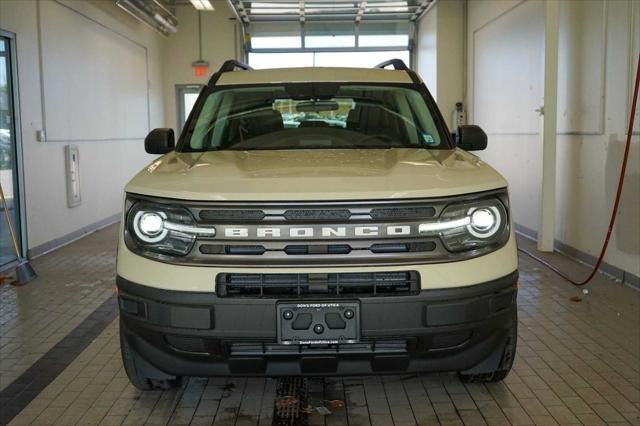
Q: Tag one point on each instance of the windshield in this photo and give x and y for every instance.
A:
(313, 116)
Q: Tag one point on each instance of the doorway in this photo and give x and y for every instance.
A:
(186, 95)
(10, 153)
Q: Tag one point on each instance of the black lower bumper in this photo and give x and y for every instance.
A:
(200, 334)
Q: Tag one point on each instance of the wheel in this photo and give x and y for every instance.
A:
(506, 361)
(135, 373)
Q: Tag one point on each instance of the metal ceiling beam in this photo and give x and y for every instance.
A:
(356, 11)
(422, 9)
(363, 15)
(353, 7)
(311, 11)
(329, 18)
(336, 3)
(361, 10)
(239, 10)
(294, 16)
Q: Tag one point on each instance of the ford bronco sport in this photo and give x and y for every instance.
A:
(316, 221)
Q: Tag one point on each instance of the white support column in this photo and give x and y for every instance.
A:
(546, 232)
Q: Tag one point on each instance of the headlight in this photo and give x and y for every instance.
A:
(471, 225)
(163, 229)
(485, 222)
(149, 226)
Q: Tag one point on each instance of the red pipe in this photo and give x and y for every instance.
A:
(616, 204)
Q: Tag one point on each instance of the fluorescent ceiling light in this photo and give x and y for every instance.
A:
(331, 5)
(275, 8)
(394, 6)
(202, 4)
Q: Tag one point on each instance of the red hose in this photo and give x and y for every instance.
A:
(616, 204)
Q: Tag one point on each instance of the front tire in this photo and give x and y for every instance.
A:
(506, 362)
(135, 373)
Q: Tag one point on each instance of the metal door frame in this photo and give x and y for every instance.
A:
(17, 128)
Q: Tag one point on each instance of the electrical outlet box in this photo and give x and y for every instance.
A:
(72, 166)
(459, 116)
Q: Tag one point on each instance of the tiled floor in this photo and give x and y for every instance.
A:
(73, 282)
(577, 362)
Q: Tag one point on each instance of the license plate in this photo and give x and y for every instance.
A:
(318, 323)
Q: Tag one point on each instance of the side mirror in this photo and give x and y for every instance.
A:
(471, 138)
(160, 141)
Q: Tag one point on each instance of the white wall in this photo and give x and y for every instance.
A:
(105, 166)
(450, 61)
(439, 58)
(117, 107)
(220, 41)
(426, 50)
(504, 89)
(109, 155)
(505, 78)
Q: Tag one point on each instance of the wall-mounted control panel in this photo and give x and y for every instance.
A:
(41, 136)
(459, 117)
(72, 165)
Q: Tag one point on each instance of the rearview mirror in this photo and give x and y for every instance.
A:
(160, 141)
(471, 138)
(317, 106)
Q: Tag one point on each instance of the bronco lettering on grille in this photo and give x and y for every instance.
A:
(329, 232)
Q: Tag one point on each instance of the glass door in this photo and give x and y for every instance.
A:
(8, 151)
(186, 95)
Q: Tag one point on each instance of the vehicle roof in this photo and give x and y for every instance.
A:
(313, 74)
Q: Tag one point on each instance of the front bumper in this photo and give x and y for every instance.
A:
(200, 334)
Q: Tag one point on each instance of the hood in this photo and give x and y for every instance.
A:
(319, 175)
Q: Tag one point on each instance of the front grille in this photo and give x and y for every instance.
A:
(316, 249)
(426, 246)
(315, 214)
(369, 284)
(304, 234)
(403, 212)
(235, 249)
(228, 215)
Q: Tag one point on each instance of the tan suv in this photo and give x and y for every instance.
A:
(316, 221)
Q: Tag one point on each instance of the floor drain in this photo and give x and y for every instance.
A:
(292, 395)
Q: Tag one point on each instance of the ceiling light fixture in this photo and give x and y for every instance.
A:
(202, 5)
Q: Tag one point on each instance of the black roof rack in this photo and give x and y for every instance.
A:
(232, 64)
(398, 64)
(227, 66)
